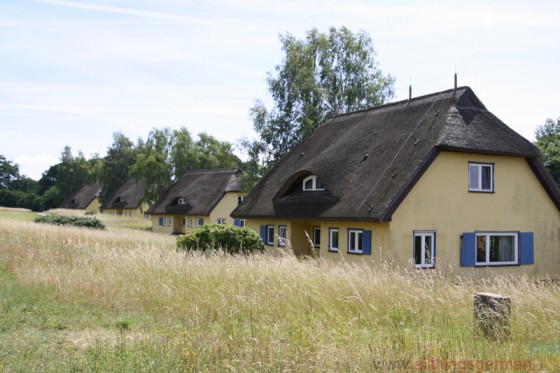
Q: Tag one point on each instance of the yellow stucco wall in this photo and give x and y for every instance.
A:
(441, 201)
(222, 210)
(127, 212)
(298, 240)
(94, 205)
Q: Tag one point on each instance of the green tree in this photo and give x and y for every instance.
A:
(548, 141)
(183, 153)
(153, 164)
(213, 153)
(322, 75)
(121, 155)
(73, 173)
(9, 173)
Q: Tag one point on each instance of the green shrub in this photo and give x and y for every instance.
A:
(228, 238)
(76, 221)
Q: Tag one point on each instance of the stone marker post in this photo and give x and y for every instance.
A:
(491, 314)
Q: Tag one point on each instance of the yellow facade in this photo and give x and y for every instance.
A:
(441, 203)
(181, 224)
(137, 213)
(95, 205)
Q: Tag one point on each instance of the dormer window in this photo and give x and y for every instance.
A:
(74, 201)
(121, 199)
(311, 183)
(181, 201)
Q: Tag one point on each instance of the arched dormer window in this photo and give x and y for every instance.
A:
(311, 183)
(121, 199)
(181, 201)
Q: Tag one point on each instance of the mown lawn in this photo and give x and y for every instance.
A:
(124, 300)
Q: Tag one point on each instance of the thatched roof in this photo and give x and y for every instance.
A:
(200, 192)
(369, 160)
(128, 196)
(83, 198)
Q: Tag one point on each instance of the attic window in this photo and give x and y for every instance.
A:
(181, 201)
(121, 199)
(311, 183)
(74, 201)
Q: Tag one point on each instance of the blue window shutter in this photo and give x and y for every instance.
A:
(263, 233)
(526, 248)
(468, 250)
(237, 222)
(366, 242)
(201, 221)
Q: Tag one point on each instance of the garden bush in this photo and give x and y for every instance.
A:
(76, 221)
(228, 238)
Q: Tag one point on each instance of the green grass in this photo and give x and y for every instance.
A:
(123, 300)
(17, 214)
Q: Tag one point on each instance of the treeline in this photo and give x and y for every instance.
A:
(161, 158)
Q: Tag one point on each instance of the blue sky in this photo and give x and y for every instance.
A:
(73, 72)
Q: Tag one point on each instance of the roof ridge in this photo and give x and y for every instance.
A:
(405, 101)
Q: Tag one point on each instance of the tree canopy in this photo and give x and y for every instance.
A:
(548, 141)
(320, 76)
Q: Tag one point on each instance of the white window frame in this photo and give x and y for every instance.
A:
(282, 234)
(331, 240)
(240, 199)
(181, 201)
(183, 222)
(121, 199)
(242, 223)
(487, 261)
(315, 184)
(316, 237)
(221, 220)
(479, 166)
(270, 234)
(423, 235)
(198, 222)
(169, 222)
(357, 233)
(189, 222)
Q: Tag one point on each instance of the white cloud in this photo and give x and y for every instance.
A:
(129, 12)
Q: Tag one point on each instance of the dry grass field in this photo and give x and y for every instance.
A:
(124, 300)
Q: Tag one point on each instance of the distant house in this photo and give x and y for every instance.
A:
(433, 182)
(127, 200)
(87, 198)
(198, 198)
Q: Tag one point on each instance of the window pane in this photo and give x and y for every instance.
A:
(319, 185)
(502, 248)
(352, 241)
(417, 250)
(308, 184)
(486, 177)
(428, 250)
(473, 176)
(334, 239)
(481, 249)
(317, 236)
(360, 243)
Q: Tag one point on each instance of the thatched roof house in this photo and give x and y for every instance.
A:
(127, 200)
(87, 198)
(203, 195)
(395, 176)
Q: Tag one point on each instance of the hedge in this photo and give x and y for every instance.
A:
(75, 221)
(228, 238)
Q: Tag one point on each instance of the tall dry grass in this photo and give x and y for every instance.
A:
(222, 312)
